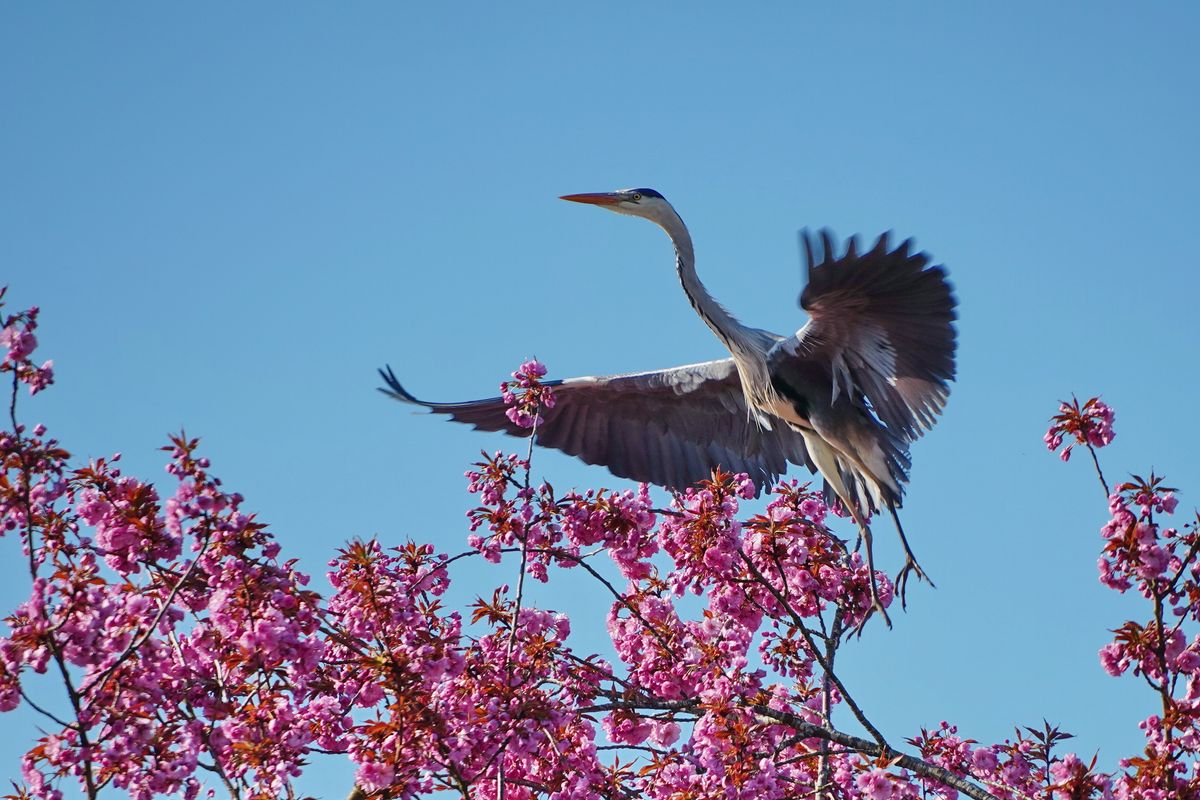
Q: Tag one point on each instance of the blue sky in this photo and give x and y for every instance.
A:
(231, 215)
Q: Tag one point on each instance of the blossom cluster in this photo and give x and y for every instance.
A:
(1144, 552)
(553, 530)
(195, 642)
(1090, 424)
(445, 710)
(694, 689)
(18, 340)
(526, 395)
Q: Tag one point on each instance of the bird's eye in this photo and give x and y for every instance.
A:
(636, 197)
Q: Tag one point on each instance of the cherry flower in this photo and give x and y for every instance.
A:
(524, 408)
(19, 341)
(1089, 425)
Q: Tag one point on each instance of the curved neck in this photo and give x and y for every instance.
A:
(735, 336)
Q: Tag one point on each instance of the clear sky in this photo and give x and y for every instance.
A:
(232, 214)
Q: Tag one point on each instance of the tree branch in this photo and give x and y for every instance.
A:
(826, 666)
(911, 763)
(807, 730)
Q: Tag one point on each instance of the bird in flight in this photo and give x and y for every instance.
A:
(844, 396)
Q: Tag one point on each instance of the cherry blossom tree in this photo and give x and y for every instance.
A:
(193, 657)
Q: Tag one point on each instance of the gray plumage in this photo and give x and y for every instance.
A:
(670, 427)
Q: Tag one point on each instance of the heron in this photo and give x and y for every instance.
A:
(844, 396)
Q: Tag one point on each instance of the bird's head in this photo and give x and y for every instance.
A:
(635, 202)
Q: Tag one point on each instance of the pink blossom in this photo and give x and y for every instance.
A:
(984, 759)
(40, 378)
(876, 785)
(664, 733)
(20, 342)
(1114, 659)
(1188, 661)
(374, 776)
(524, 408)
(1088, 424)
(627, 729)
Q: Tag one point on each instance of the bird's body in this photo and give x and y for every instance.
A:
(844, 396)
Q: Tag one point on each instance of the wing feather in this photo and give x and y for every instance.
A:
(882, 322)
(669, 427)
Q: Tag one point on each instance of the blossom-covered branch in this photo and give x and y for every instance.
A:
(193, 655)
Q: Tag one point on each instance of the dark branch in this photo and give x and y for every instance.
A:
(924, 769)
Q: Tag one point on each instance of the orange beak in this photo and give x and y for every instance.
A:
(596, 199)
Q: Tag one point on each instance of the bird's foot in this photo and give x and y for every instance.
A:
(876, 607)
(910, 566)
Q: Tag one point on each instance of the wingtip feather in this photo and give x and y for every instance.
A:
(394, 389)
(807, 245)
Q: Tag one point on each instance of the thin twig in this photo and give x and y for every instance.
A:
(512, 633)
(823, 752)
(75, 696)
(26, 498)
(652, 750)
(620, 598)
(798, 621)
(71, 726)
(824, 767)
(1099, 472)
(72, 694)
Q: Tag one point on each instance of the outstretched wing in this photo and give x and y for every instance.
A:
(669, 427)
(882, 322)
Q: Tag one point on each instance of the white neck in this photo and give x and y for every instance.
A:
(733, 334)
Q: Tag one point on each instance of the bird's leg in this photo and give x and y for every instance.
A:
(864, 532)
(910, 562)
(827, 461)
(876, 604)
